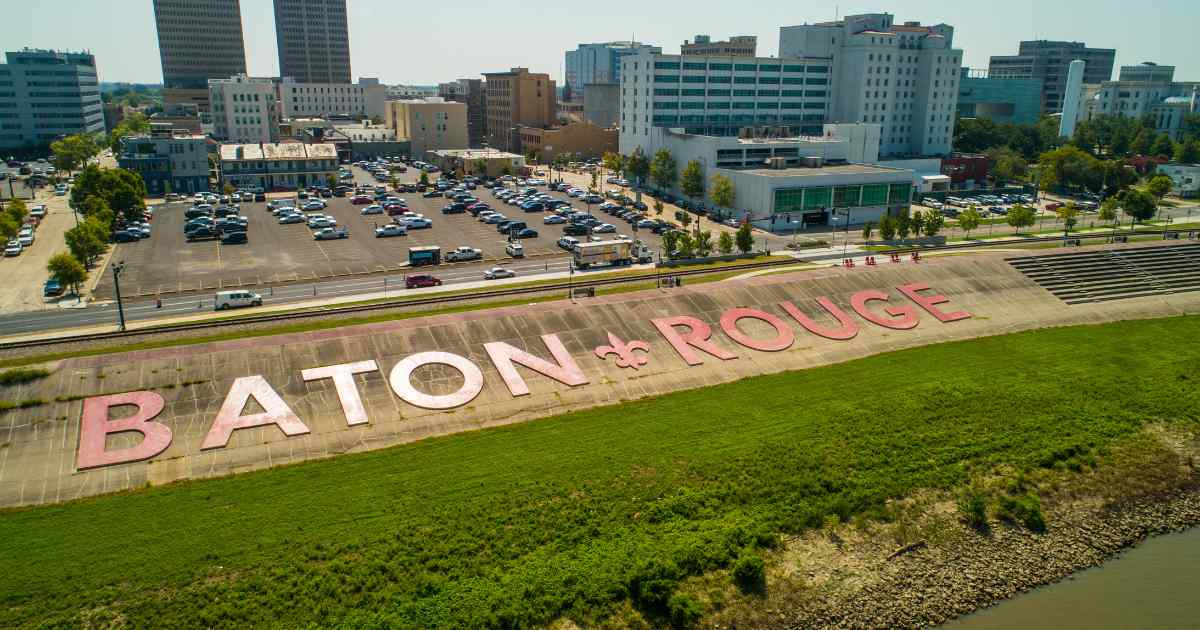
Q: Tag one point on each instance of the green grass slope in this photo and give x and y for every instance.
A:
(578, 514)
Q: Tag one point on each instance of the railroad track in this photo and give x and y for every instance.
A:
(516, 292)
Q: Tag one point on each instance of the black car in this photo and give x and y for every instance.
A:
(192, 213)
(202, 234)
(526, 233)
(121, 236)
(536, 206)
(455, 208)
(260, 196)
(661, 228)
(639, 205)
(234, 238)
(575, 229)
(431, 194)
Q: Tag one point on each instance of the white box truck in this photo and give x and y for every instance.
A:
(614, 253)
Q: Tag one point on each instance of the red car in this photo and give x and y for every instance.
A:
(394, 209)
(361, 200)
(417, 282)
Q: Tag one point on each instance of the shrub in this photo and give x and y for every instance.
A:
(685, 611)
(973, 507)
(22, 375)
(653, 584)
(1026, 510)
(749, 573)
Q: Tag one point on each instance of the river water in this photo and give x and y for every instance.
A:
(1154, 585)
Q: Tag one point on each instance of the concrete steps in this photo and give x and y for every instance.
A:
(1101, 276)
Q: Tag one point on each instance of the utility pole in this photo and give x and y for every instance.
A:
(117, 269)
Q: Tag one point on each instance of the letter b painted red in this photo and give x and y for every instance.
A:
(95, 427)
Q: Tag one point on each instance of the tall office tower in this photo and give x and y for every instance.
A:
(1050, 62)
(198, 41)
(33, 115)
(517, 98)
(903, 77)
(314, 40)
(598, 63)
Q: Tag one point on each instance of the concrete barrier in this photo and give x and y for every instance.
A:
(320, 394)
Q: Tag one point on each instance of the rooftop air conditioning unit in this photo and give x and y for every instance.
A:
(777, 163)
(812, 161)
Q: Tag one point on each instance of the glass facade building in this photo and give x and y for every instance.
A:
(1002, 100)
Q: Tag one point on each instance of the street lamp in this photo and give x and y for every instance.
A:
(117, 269)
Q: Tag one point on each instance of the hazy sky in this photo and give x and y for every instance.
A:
(466, 37)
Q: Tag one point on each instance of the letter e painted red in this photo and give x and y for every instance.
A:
(930, 302)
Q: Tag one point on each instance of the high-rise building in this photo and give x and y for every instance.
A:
(469, 92)
(198, 41)
(903, 77)
(598, 63)
(1049, 61)
(720, 96)
(517, 98)
(364, 99)
(244, 109)
(47, 95)
(314, 40)
(428, 125)
(737, 46)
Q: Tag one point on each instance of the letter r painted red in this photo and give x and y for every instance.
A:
(95, 427)
(697, 336)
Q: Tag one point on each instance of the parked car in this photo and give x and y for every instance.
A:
(224, 300)
(234, 238)
(417, 223)
(553, 219)
(127, 236)
(463, 254)
(52, 288)
(421, 281)
(292, 217)
(13, 248)
(568, 243)
(391, 229)
(604, 228)
(526, 233)
(371, 209)
(516, 250)
(498, 272)
(329, 234)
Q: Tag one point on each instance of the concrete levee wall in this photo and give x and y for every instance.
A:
(38, 460)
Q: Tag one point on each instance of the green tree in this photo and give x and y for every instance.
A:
(1163, 146)
(1068, 213)
(1006, 165)
(1138, 205)
(692, 180)
(663, 170)
(933, 223)
(1069, 167)
(331, 181)
(686, 245)
(16, 209)
(424, 178)
(969, 220)
(725, 243)
(613, 162)
(122, 190)
(8, 227)
(86, 241)
(1108, 210)
(638, 166)
(744, 238)
(1159, 186)
(658, 206)
(1143, 141)
(868, 227)
(887, 228)
(704, 244)
(903, 224)
(480, 167)
(722, 192)
(67, 270)
(134, 124)
(1188, 152)
(670, 241)
(916, 223)
(595, 180)
(72, 152)
(1021, 216)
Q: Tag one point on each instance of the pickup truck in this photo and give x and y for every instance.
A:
(329, 234)
(463, 254)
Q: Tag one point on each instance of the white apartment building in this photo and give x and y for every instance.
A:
(720, 96)
(244, 109)
(1146, 90)
(364, 99)
(903, 77)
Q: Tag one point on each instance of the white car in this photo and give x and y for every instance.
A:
(554, 219)
(493, 219)
(604, 228)
(291, 217)
(373, 209)
(498, 272)
(13, 248)
(320, 223)
(391, 229)
(417, 224)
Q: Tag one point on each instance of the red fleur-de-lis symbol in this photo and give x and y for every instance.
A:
(626, 357)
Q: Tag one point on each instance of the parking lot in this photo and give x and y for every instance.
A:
(277, 254)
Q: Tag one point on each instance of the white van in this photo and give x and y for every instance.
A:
(235, 299)
(516, 250)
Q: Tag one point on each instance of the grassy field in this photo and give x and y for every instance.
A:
(590, 513)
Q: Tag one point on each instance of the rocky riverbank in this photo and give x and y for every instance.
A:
(843, 578)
